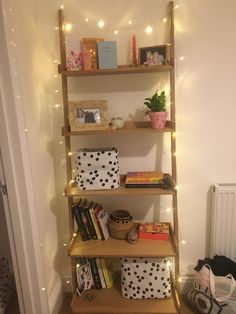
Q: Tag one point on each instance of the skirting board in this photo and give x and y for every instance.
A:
(185, 284)
(56, 298)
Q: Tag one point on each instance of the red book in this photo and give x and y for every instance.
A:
(154, 231)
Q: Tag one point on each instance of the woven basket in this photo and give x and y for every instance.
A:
(120, 223)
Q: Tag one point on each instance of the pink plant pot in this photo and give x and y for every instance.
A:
(158, 119)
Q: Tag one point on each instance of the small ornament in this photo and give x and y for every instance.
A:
(134, 50)
(132, 236)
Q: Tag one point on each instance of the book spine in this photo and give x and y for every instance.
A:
(90, 223)
(85, 222)
(95, 274)
(96, 212)
(144, 185)
(100, 272)
(103, 218)
(106, 273)
(92, 214)
(78, 218)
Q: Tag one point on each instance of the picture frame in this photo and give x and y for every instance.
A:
(87, 115)
(84, 278)
(153, 55)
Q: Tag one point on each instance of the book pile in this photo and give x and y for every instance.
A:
(93, 273)
(149, 179)
(91, 219)
(154, 231)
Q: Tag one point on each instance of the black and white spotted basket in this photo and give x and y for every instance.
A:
(97, 169)
(145, 278)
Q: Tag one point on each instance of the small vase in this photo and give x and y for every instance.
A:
(120, 223)
(158, 119)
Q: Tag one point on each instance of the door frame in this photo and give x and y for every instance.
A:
(20, 205)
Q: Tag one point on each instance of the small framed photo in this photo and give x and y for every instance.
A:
(84, 278)
(86, 115)
(154, 55)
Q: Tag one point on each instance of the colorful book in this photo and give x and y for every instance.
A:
(107, 272)
(107, 55)
(154, 231)
(89, 48)
(76, 211)
(90, 225)
(100, 272)
(95, 273)
(95, 221)
(144, 179)
(103, 221)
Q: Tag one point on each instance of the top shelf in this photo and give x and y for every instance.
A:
(122, 69)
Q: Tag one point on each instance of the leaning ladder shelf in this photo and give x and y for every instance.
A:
(110, 300)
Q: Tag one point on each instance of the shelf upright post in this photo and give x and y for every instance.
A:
(173, 136)
(62, 70)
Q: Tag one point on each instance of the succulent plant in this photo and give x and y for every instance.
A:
(156, 103)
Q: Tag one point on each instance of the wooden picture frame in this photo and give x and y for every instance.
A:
(154, 55)
(88, 115)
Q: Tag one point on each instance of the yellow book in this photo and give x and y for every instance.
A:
(107, 273)
(92, 214)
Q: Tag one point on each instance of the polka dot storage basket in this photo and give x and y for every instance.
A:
(145, 278)
(97, 169)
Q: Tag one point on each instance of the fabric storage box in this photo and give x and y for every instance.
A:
(97, 169)
(145, 278)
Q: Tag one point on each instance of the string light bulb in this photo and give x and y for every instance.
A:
(183, 242)
(62, 6)
(68, 27)
(149, 29)
(86, 20)
(101, 24)
(130, 22)
(181, 58)
(116, 32)
(177, 6)
(165, 20)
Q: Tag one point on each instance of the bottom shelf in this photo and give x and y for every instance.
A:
(110, 301)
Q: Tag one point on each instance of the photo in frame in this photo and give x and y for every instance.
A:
(84, 278)
(154, 55)
(87, 115)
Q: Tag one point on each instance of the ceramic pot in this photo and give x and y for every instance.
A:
(158, 119)
(120, 223)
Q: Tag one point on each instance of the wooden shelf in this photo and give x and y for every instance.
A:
(129, 127)
(72, 190)
(111, 301)
(122, 69)
(117, 248)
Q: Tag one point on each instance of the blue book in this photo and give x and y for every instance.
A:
(107, 55)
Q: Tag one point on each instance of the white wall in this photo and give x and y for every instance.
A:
(206, 153)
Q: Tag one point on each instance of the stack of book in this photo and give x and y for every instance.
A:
(91, 219)
(149, 179)
(94, 273)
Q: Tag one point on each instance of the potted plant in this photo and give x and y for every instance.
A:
(156, 109)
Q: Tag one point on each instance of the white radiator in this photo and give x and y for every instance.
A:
(223, 221)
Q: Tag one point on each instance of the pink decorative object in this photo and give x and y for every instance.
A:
(158, 119)
(74, 60)
(134, 50)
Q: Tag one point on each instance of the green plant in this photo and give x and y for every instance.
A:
(156, 103)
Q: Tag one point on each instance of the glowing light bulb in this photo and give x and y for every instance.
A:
(63, 193)
(62, 6)
(130, 22)
(57, 105)
(43, 289)
(149, 29)
(177, 6)
(70, 154)
(183, 242)
(168, 210)
(179, 279)
(72, 181)
(68, 281)
(181, 58)
(68, 27)
(55, 61)
(64, 244)
(165, 20)
(174, 134)
(56, 28)
(86, 20)
(101, 24)
(116, 32)
(176, 187)
(180, 77)
(55, 75)
(26, 130)
(74, 234)
(61, 142)
(168, 264)
(56, 90)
